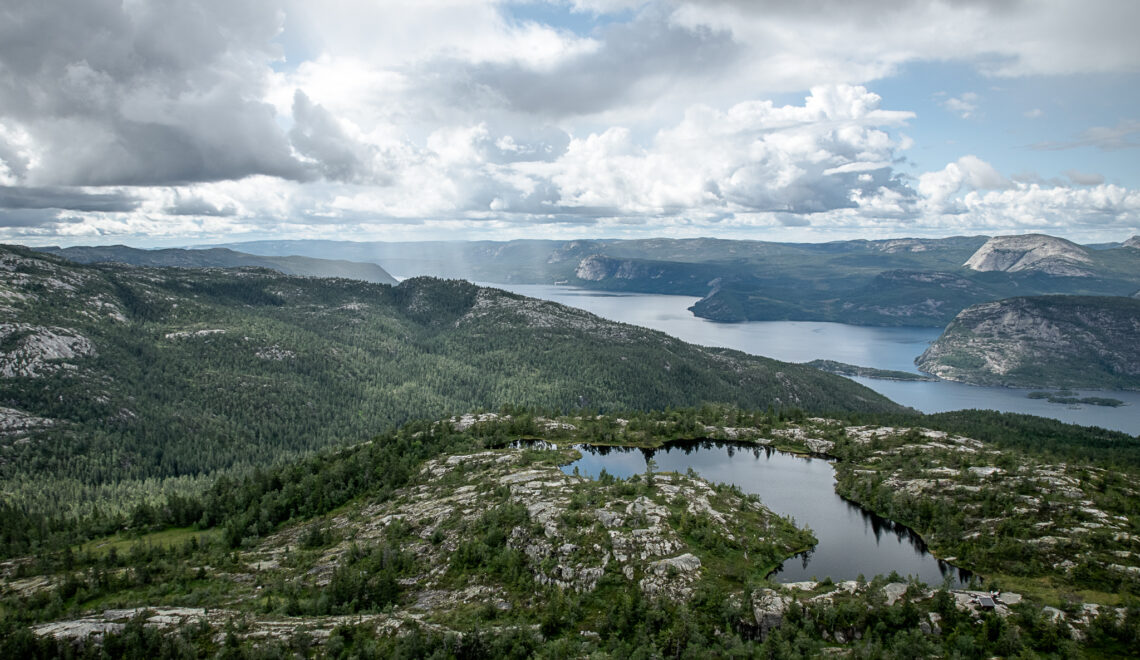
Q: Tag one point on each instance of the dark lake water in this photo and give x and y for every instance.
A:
(801, 341)
(852, 541)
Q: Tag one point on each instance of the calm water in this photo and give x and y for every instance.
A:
(851, 541)
(803, 341)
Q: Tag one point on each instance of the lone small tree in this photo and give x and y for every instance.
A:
(650, 468)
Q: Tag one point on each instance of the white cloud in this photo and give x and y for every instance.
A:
(753, 157)
(939, 189)
(872, 37)
(262, 116)
(1055, 209)
(965, 106)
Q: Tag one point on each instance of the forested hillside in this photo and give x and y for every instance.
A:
(117, 382)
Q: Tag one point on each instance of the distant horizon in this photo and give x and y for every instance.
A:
(232, 243)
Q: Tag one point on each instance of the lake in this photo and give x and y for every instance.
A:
(852, 541)
(803, 341)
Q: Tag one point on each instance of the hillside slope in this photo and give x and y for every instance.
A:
(1042, 341)
(112, 374)
(225, 258)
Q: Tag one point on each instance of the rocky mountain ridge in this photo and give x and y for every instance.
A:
(1031, 253)
(1042, 342)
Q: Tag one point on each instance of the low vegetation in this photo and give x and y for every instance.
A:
(416, 540)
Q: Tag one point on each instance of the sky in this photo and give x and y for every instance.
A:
(162, 123)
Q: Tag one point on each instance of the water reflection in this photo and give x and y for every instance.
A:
(852, 541)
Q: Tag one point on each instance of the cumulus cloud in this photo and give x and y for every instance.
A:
(939, 189)
(198, 206)
(291, 117)
(318, 135)
(826, 154)
(109, 93)
(640, 60)
(1055, 209)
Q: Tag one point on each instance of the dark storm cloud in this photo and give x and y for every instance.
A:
(20, 197)
(145, 93)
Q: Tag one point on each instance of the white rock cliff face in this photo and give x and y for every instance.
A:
(596, 268)
(35, 350)
(1031, 252)
(1047, 341)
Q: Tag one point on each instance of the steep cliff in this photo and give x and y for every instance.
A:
(1042, 341)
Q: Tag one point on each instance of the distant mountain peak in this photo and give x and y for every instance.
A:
(1031, 252)
(1133, 242)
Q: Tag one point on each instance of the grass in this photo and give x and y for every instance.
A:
(166, 538)
(1045, 591)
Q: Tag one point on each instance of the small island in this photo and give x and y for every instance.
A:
(1070, 397)
(844, 369)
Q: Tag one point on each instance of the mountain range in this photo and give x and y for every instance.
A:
(897, 282)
